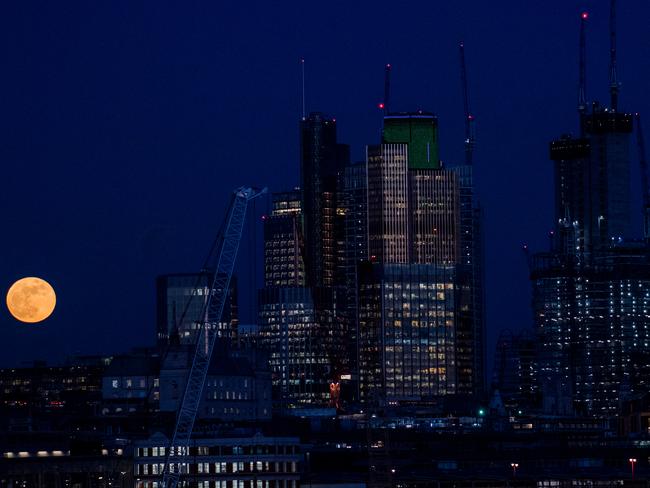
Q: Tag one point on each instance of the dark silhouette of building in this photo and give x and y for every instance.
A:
(321, 163)
(180, 301)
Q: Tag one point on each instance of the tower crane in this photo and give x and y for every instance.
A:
(614, 85)
(582, 74)
(386, 103)
(470, 136)
(206, 338)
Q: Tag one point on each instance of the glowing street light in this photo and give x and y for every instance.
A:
(514, 467)
(632, 463)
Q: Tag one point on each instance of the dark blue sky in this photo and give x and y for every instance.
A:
(124, 126)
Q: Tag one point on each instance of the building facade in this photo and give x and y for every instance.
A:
(236, 389)
(222, 462)
(284, 263)
(299, 337)
(180, 303)
(420, 294)
(322, 161)
(407, 333)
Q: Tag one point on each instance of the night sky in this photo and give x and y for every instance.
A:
(125, 125)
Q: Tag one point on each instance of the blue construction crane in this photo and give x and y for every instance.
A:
(206, 338)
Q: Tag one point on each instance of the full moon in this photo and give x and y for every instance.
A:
(31, 300)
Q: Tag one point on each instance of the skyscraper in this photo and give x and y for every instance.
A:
(283, 242)
(407, 330)
(296, 333)
(408, 309)
(471, 329)
(322, 161)
(297, 322)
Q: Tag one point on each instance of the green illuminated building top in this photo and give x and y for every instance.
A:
(418, 130)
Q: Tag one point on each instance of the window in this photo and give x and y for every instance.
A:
(115, 383)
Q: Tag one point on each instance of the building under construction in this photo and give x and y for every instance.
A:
(591, 291)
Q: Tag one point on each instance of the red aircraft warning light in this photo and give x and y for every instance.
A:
(584, 15)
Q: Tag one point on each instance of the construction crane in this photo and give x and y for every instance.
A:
(470, 136)
(206, 338)
(386, 103)
(614, 85)
(582, 75)
(643, 164)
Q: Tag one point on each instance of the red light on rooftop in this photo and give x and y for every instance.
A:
(381, 106)
(585, 15)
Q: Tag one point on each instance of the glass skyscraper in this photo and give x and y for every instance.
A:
(407, 328)
(420, 304)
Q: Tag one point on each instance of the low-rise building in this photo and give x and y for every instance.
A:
(224, 462)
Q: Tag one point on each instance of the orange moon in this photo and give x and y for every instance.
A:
(31, 300)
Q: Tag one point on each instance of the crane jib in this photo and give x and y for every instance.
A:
(179, 445)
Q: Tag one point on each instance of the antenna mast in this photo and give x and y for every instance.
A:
(469, 118)
(582, 83)
(613, 77)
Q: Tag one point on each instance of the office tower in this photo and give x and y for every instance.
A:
(408, 305)
(180, 299)
(322, 160)
(353, 249)
(297, 325)
(296, 330)
(412, 202)
(471, 330)
(283, 242)
(407, 332)
(419, 132)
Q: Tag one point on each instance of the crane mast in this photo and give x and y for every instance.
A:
(613, 76)
(386, 103)
(582, 75)
(470, 137)
(206, 338)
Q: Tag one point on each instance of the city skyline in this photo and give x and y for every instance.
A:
(154, 242)
(368, 245)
